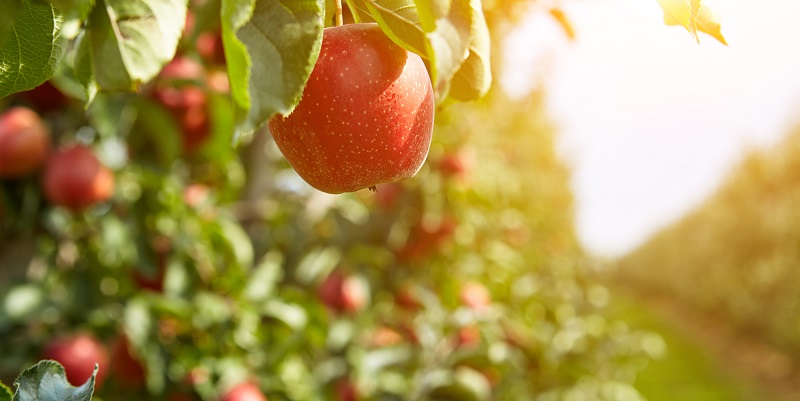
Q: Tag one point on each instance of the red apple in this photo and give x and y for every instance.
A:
(188, 103)
(75, 179)
(244, 392)
(79, 354)
(346, 390)
(425, 239)
(24, 142)
(366, 115)
(469, 336)
(475, 296)
(209, 47)
(384, 336)
(126, 369)
(45, 98)
(343, 293)
(406, 298)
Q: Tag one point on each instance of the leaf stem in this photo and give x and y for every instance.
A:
(338, 13)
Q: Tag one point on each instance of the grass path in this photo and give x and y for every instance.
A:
(702, 362)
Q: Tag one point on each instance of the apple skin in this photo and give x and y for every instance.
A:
(366, 115)
(78, 354)
(244, 392)
(24, 142)
(75, 178)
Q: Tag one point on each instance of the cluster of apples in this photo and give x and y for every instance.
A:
(80, 352)
(72, 176)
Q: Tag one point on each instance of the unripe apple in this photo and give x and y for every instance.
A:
(244, 392)
(126, 368)
(24, 142)
(75, 179)
(79, 354)
(366, 115)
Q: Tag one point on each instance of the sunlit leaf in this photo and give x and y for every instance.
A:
(131, 40)
(563, 21)
(31, 45)
(692, 15)
(474, 78)
(282, 41)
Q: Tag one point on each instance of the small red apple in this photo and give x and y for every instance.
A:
(75, 178)
(244, 392)
(406, 298)
(79, 354)
(475, 296)
(209, 47)
(45, 98)
(24, 142)
(425, 239)
(366, 115)
(178, 92)
(384, 336)
(346, 390)
(343, 293)
(469, 336)
(126, 369)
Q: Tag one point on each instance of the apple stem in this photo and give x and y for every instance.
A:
(338, 13)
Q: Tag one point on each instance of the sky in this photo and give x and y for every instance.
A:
(649, 121)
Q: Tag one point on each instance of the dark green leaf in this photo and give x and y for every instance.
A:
(5, 392)
(131, 40)
(47, 381)
(474, 78)
(282, 40)
(31, 45)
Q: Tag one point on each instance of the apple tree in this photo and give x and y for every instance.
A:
(150, 223)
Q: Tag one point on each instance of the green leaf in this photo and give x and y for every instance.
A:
(474, 78)
(75, 13)
(84, 70)
(265, 277)
(131, 40)
(283, 39)
(47, 381)
(5, 392)
(448, 44)
(431, 10)
(399, 20)
(234, 14)
(31, 45)
(239, 242)
(442, 42)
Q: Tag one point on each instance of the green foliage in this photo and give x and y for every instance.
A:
(211, 262)
(736, 255)
(31, 45)
(46, 381)
(270, 47)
